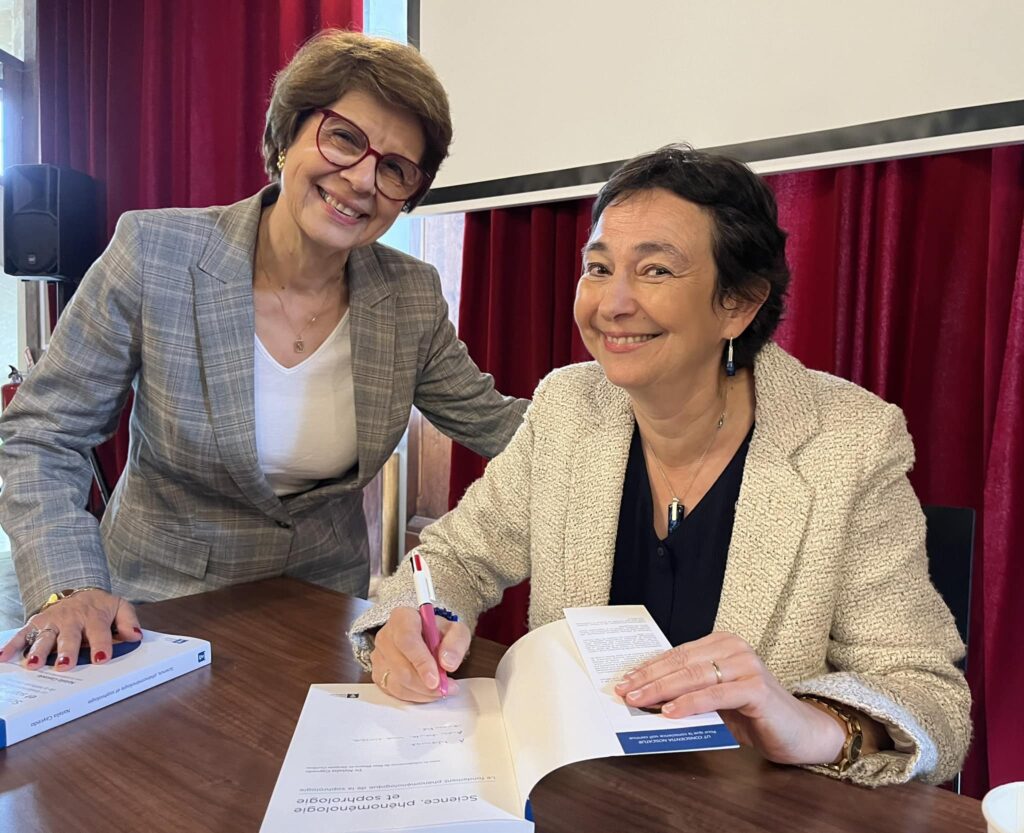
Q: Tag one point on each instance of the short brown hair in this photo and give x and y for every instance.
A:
(334, 62)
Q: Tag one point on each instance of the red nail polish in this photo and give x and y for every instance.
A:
(33, 660)
(63, 660)
(99, 656)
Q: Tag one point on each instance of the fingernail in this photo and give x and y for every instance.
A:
(63, 660)
(447, 659)
(633, 695)
(99, 656)
(628, 676)
(668, 708)
(33, 660)
(138, 631)
(432, 681)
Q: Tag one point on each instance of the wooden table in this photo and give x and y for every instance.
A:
(202, 752)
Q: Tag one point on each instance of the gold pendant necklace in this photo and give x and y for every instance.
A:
(676, 506)
(299, 343)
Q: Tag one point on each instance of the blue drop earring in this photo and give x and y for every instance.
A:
(730, 366)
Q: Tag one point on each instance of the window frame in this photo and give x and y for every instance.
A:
(19, 86)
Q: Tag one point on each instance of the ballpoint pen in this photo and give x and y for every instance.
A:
(425, 600)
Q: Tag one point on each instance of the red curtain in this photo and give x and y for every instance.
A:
(163, 101)
(908, 278)
(519, 272)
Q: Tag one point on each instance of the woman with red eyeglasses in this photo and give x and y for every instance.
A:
(274, 350)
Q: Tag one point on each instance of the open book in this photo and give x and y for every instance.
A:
(363, 761)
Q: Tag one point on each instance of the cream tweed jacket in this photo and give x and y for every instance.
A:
(827, 577)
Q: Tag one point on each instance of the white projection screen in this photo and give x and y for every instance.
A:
(549, 96)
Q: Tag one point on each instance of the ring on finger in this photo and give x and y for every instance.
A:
(384, 679)
(718, 671)
(35, 633)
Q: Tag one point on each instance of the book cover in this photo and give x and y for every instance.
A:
(34, 701)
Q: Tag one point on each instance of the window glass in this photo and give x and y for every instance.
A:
(387, 18)
(438, 239)
(8, 295)
(12, 28)
(12, 41)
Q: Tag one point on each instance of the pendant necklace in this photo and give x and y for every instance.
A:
(298, 344)
(676, 507)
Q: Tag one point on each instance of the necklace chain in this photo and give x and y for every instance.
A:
(677, 505)
(299, 344)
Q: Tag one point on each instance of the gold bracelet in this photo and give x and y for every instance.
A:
(61, 595)
(850, 753)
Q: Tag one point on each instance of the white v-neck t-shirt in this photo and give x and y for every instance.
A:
(306, 415)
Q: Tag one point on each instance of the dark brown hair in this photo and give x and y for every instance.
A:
(748, 246)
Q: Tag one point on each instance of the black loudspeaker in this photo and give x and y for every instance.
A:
(50, 223)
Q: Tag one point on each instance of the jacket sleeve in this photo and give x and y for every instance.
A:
(893, 642)
(70, 403)
(475, 551)
(457, 397)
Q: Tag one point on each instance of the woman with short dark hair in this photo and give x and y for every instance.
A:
(748, 246)
(275, 350)
(761, 511)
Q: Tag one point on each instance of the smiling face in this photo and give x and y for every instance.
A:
(645, 305)
(339, 210)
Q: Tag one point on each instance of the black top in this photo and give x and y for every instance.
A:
(679, 578)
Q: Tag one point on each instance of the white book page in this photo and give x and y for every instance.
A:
(551, 709)
(615, 639)
(361, 760)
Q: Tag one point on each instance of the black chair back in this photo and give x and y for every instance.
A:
(949, 541)
(950, 545)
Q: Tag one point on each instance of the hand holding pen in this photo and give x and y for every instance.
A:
(425, 601)
(417, 648)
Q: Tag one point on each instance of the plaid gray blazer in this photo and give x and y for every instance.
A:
(167, 312)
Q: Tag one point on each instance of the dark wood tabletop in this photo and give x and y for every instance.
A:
(202, 752)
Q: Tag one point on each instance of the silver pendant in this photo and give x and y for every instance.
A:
(299, 345)
(675, 515)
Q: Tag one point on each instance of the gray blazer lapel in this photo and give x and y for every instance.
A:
(774, 503)
(598, 470)
(372, 320)
(225, 326)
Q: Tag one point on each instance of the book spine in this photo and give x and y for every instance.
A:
(32, 722)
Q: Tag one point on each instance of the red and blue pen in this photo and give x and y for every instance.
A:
(425, 600)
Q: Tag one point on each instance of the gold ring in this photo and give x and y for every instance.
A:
(384, 679)
(718, 671)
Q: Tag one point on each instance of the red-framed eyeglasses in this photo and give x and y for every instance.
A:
(344, 144)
